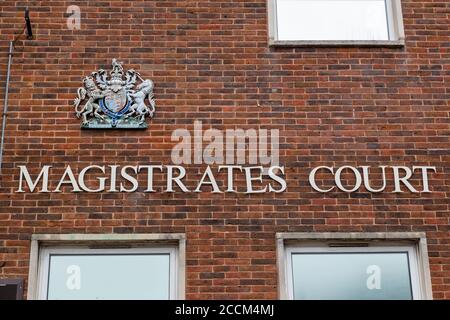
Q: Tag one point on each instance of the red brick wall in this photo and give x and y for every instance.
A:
(210, 61)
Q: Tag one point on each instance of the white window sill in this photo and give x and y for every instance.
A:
(337, 43)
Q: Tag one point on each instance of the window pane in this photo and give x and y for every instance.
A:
(332, 20)
(91, 277)
(351, 276)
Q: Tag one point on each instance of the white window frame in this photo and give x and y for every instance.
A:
(46, 253)
(395, 30)
(43, 246)
(412, 243)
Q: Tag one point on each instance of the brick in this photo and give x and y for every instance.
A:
(210, 61)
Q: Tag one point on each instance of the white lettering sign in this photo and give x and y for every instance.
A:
(401, 181)
(127, 179)
(257, 179)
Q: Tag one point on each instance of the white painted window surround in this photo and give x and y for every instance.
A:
(335, 22)
(342, 265)
(99, 267)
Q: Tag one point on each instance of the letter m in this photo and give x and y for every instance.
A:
(32, 185)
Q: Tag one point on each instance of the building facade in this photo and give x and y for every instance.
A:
(345, 168)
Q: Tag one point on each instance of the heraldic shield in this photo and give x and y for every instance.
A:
(115, 100)
(115, 104)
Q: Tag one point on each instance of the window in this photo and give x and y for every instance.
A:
(106, 274)
(11, 289)
(346, 268)
(335, 22)
(108, 270)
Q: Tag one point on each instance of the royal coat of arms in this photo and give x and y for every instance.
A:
(118, 100)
